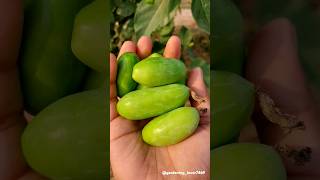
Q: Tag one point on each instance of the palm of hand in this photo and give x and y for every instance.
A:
(133, 158)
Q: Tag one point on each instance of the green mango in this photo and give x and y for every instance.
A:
(172, 127)
(67, 140)
(228, 37)
(90, 34)
(233, 100)
(159, 71)
(48, 68)
(125, 83)
(151, 102)
(246, 161)
(95, 80)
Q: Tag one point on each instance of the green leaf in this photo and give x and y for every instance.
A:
(201, 13)
(167, 29)
(185, 36)
(149, 1)
(125, 9)
(127, 29)
(117, 3)
(149, 17)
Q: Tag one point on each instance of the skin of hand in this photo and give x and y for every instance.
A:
(130, 157)
(273, 66)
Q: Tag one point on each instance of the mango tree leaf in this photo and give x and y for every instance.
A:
(201, 13)
(149, 17)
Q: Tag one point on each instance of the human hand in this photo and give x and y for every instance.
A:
(274, 67)
(130, 157)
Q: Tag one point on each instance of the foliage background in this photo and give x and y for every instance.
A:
(160, 19)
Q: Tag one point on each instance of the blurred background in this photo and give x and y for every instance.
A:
(305, 16)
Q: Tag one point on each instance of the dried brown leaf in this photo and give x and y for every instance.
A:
(269, 109)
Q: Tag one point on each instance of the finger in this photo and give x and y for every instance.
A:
(10, 33)
(196, 83)
(113, 76)
(278, 73)
(199, 94)
(113, 109)
(113, 90)
(144, 47)
(173, 48)
(12, 160)
(10, 95)
(113, 68)
(127, 46)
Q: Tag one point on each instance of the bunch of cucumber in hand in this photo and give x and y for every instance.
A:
(154, 88)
